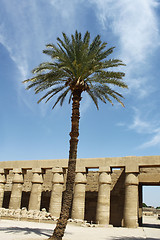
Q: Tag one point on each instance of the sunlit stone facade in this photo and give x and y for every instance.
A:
(107, 190)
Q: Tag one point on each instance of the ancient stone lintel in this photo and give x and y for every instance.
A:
(36, 170)
(105, 169)
(131, 165)
(80, 169)
(57, 170)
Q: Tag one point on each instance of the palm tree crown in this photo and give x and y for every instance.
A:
(79, 65)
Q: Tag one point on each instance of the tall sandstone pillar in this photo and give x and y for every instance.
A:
(78, 207)
(103, 204)
(2, 185)
(131, 200)
(16, 192)
(56, 194)
(36, 190)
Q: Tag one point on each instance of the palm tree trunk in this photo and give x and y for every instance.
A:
(68, 194)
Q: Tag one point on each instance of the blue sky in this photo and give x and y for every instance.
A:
(34, 131)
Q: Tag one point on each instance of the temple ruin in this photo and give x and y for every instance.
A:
(106, 191)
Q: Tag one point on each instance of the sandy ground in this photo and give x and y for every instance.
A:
(16, 230)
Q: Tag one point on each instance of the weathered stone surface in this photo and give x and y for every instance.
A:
(131, 201)
(103, 206)
(36, 190)
(78, 207)
(56, 194)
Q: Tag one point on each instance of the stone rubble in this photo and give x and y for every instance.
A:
(38, 215)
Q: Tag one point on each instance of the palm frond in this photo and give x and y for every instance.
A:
(93, 97)
(53, 91)
(76, 63)
(61, 98)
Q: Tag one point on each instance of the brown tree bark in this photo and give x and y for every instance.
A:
(68, 194)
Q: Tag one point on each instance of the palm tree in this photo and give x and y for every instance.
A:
(77, 66)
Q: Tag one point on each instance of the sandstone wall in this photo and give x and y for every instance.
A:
(147, 169)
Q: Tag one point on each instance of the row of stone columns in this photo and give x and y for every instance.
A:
(36, 190)
(78, 207)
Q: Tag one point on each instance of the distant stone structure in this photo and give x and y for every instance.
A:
(150, 211)
(111, 194)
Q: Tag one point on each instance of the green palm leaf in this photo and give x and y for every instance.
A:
(76, 63)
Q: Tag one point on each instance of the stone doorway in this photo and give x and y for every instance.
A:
(146, 194)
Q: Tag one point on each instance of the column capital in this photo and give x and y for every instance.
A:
(37, 175)
(18, 177)
(80, 178)
(131, 179)
(2, 178)
(104, 178)
(17, 170)
(58, 178)
(2, 171)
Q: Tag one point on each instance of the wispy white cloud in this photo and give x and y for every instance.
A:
(22, 35)
(141, 126)
(139, 87)
(146, 126)
(154, 141)
(135, 23)
(65, 8)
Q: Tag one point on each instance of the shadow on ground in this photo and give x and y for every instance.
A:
(27, 231)
(151, 225)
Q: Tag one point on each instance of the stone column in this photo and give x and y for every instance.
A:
(56, 194)
(16, 192)
(36, 190)
(78, 207)
(103, 204)
(2, 185)
(131, 200)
